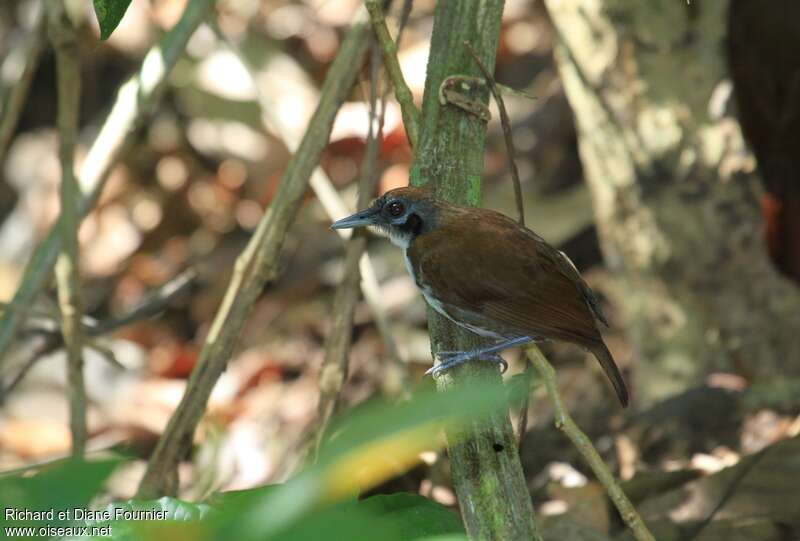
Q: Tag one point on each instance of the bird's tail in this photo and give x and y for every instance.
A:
(610, 368)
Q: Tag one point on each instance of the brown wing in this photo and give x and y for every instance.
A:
(506, 273)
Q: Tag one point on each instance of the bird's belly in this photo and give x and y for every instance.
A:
(459, 319)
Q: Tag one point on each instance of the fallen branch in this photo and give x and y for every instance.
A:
(135, 99)
(254, 267)
(63, 36)
(564, 423)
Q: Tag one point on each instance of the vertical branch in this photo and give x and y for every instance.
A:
(135, 99)
(255, 266)
(335, 364)
(12, 108)
(63, 36)
(486, 469)
(564, 423)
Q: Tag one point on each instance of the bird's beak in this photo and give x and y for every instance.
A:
(359, 219)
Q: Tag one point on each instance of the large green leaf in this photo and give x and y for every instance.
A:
(398, 517)
(378, 441)
(365, 447)
(414, 516)
(109, 14)
(56, 489)
(136, 519)
(394, 517)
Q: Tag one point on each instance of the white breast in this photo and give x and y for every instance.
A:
(409, 268)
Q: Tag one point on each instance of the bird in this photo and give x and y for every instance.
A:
(490, 275)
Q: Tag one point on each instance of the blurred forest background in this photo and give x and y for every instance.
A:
(661, 153)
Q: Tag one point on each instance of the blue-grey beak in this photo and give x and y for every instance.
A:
(359, 219)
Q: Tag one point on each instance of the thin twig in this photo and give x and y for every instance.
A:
(335, 364)
(389, 48)
(566, 424)
(51, 343)
(18, 94)
(505, 122)
(106, 353)
(136, 98)
(254, 267)
(336, 209)
(63, 36)
(29, 311)
(522, 419)
(153, 303)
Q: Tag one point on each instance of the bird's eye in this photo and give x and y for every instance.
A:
(395, 208)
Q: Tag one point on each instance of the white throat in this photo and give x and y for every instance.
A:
(399, 239)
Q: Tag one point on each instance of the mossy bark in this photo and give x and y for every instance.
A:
(486, 469)
(675, 192)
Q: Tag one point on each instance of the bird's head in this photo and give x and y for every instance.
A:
(402, 213)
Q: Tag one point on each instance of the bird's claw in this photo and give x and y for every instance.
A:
(449, 359)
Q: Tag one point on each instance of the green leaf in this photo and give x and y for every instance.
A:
(133, 520)
(234, 499)
(395, 517)
(413, 515)
(109, 14)
(54, 489)
(447, 537)
(378, 441)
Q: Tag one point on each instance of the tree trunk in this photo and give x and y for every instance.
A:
(487, 473)
(675, 192)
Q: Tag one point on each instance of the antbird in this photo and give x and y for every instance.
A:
(490, 275)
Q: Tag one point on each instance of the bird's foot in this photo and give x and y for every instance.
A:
(449, 359)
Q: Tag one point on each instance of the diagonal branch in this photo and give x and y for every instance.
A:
(564, 423)
(331, 201)
(153, 303)
(335, 364)
(255, 266)
(389, 48)
(12, 108)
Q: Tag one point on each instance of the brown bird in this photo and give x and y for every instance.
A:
(490, 275)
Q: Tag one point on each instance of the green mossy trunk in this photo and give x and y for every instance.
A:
(675, 193)
(486, 469)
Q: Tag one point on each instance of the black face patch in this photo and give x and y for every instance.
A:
(413, 225)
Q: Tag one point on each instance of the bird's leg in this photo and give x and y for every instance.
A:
(449, 359)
